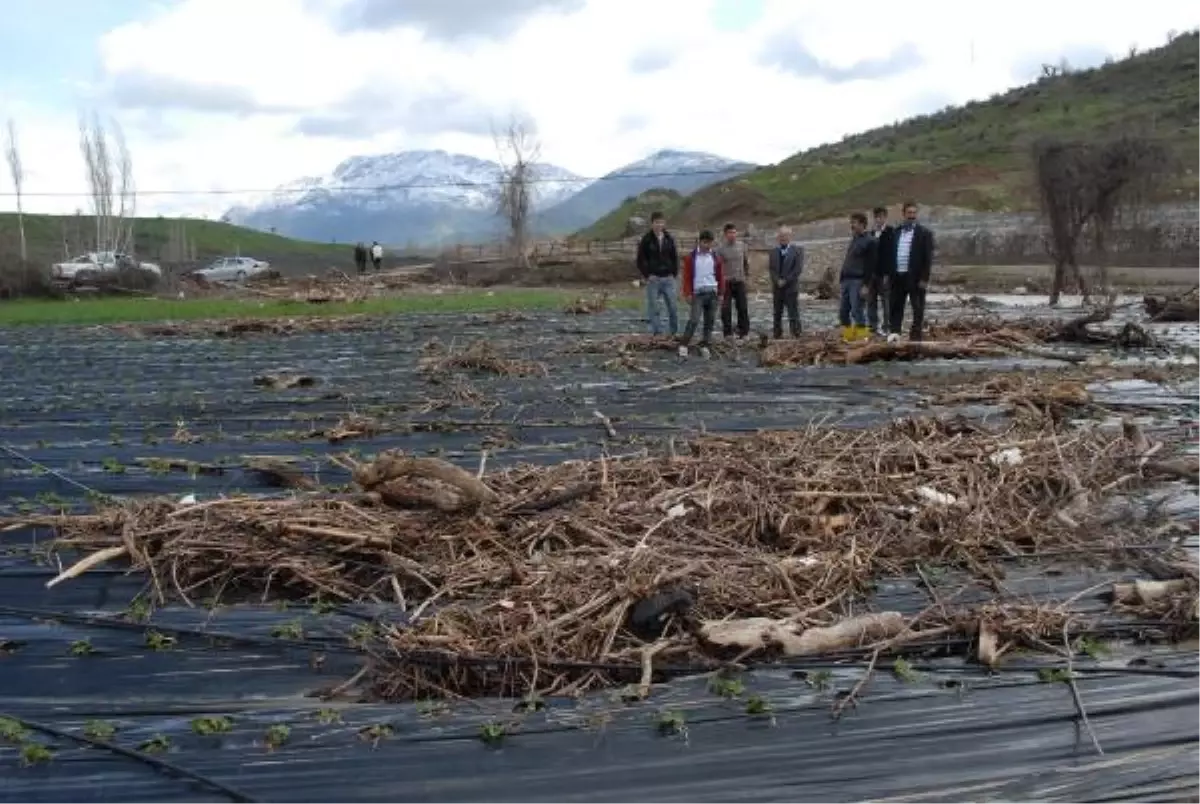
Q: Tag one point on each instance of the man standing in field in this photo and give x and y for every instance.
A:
(658, 262)
(786, 263)
(736, 262)
(703, 284)
(913, 265)
(877, 288)
(376, 254)
(360, 257)
(857, 268)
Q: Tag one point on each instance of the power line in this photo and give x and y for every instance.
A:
(388, 187)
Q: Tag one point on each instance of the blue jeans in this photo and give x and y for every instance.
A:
(666, 288)
(852, 310)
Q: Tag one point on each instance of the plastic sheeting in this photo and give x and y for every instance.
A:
(90, 404)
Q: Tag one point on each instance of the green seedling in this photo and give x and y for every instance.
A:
(903, 671)
(756, 706)
(159, 641)
(530, 703)
(323, 607)
(35, 754)
(290, 630)
(430, 708)
(492, 733)
(211, 725)
(112, 466)
(277, 736)
(281, 605)
(158, 744)
(1092, 648)
(818, 679)
(12, 731)
(327, 717)
(671, 723)
(99, 730)
(81, 647)
(373, 734)
(1053, 675)
(725, 686)
(362, 634)
(138, 610)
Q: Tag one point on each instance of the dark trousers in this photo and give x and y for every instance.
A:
(786, 297)
(735, 294)
(704, 306)
(362, 265)
(877, 300)
(376, 261)
(905, 288)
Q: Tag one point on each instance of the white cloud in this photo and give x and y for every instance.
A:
(246, 94)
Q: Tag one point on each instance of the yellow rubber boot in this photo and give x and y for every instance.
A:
(862, 333)
(847, 334)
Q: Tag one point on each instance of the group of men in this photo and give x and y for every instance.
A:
(361, 252)
(885, 268)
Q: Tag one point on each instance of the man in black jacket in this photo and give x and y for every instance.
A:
(911, 263)
(877, 288)
(858, 268)
(658, 262)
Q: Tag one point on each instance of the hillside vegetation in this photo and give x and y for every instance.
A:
(975, 156)
(167, 240)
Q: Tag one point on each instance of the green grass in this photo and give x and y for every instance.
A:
(974, 156)
(161, 239)
(114, 310)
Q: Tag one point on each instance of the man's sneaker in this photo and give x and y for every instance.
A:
(893, 338)
(683, 351)
(705, 353)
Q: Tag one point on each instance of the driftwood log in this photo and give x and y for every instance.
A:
(1168, 308)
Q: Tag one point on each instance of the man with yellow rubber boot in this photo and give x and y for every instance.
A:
(857, 270)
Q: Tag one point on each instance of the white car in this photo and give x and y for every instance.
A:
(238, 269)
(90, 266)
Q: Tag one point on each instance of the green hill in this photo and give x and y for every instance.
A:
(165, 240)
(975, 156)
(614, 225)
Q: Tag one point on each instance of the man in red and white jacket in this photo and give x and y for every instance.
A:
(704, 284)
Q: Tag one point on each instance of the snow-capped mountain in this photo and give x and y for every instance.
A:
(398, 198)
(682, 171)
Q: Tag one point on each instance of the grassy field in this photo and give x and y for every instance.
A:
(53, 237)
(975, 156)
(110, 310)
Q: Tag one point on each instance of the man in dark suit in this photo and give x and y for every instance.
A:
(786, 263)
(877, 289)
(912, 264)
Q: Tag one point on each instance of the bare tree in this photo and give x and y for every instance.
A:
(13, 155)
(519, 150)
(1084, 187)
(110, 183)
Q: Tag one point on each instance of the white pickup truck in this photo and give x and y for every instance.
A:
(91, 266)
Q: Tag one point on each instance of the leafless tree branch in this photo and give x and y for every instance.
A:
(1084, 187)
(110, 183)
(519, 150)
(13, 156)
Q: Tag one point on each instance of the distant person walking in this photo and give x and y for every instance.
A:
(857, 268)
(786, 263)
(913, 265)
(658, 262)
(877, 289)
(736, 262)
(376, 254)
(360, 257)
(703, 284)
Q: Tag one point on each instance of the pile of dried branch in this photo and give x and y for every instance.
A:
(560, 578)
(1173, 308)
(243, 327)
(588, 305)
(481, 356)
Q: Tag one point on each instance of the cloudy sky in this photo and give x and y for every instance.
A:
(230, 95)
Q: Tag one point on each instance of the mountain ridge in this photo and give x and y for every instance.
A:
(427, 197)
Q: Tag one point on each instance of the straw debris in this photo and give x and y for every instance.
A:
(592, 573)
